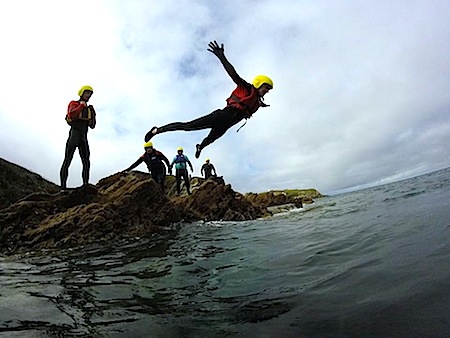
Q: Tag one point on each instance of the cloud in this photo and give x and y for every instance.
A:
(360, 88)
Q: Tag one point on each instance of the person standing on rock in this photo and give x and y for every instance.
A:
(244, 101)
(80, 116)
(181, 161)
(207, 169)
(154, 160)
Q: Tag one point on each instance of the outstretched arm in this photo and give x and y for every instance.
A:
(135, 164)
(190, 164)
(166, 161)
(220, 53)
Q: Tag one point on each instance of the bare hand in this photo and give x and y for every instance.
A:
(216, 49)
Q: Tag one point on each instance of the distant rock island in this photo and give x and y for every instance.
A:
(35, 215)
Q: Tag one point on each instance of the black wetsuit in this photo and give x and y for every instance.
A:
(154, 162)
(207, 168)
(77, 139)
(219, 121)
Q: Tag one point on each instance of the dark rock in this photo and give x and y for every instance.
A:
(271, 199)
(119, 206)
(17, 182)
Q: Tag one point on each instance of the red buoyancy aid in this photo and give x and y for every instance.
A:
(247, 102)
(77, 111)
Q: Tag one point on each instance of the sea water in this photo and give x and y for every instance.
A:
(370, 263)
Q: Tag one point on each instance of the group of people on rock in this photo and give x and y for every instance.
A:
(154, 159)
(243, 102)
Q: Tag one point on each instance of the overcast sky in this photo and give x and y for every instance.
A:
(361, 88)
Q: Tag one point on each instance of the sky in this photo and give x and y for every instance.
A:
(361, 91)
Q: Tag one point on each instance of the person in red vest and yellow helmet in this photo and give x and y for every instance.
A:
(242, 104)
(80, 116)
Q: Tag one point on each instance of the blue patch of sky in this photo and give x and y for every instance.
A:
(188, 67)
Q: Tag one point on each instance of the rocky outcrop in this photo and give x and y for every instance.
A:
(17, 182)
(215, 200)
(120, 206)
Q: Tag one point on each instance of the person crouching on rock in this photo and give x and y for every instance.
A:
(181, 161)
(154, 160)
(207, 169)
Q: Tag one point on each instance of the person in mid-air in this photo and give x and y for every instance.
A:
(181, 161)
(207, 169)
(242, 104)
(80, 116)
(154, 160)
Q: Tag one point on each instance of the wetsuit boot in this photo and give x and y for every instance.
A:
(198, 150)
(150, 134)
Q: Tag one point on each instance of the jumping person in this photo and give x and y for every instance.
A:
(154, 160)
(181, 161)
(242, 104)
(79, 116)
(207, 169)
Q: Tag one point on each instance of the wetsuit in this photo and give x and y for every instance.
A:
(81, 117)
(221, 120)
(154, 162)
(207, 168)
(181, 172)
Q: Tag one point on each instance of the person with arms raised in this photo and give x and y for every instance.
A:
(244, 101)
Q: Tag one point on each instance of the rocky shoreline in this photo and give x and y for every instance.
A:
(123, 205)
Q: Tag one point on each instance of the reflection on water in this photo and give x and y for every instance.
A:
(99, 291)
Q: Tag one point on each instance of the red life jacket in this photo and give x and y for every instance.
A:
(247, 102)
(75, 112)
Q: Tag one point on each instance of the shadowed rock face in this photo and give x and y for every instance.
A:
(120, 206)
(270, 199)
(17, 182)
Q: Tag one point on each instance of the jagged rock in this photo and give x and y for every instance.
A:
(122, 205)
(17, 182)
(217, 201)
(119, 206)
(271, 199)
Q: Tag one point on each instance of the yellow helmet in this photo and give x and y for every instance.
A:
(180, 148)
(83, 89)
(260, 80)
(148, 145)
(207, 160)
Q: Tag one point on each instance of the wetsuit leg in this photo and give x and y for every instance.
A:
(186, 180)
(207, 121)
(84, 151)
(224, 121)
(213, 135)
(159, 177)
(178, 175)
(71, 145)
